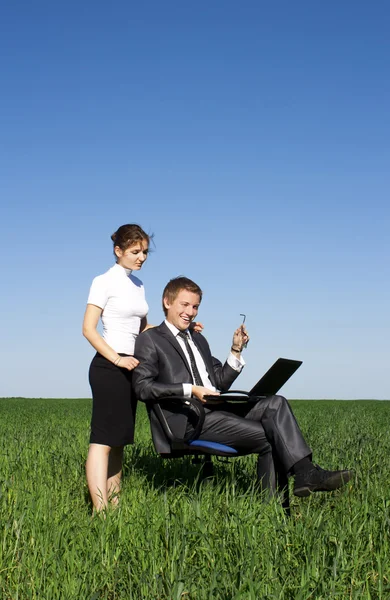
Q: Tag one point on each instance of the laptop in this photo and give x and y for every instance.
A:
(269, 384)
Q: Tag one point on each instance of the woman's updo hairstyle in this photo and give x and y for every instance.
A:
(128, 235)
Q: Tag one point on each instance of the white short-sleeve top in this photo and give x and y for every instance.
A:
(121, 295)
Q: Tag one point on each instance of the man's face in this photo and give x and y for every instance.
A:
(183, 309)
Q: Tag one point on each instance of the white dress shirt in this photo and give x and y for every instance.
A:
(233, 361)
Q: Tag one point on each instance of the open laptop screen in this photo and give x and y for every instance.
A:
(275, 377)
(268, 385)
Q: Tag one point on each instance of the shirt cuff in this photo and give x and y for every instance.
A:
(187, 390)
(235, 363)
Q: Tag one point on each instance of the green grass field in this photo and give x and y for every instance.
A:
(175, 537)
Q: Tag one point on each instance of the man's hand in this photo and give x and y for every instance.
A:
(199, 391)
(240, 339)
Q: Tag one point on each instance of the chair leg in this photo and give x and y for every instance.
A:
(207, 467)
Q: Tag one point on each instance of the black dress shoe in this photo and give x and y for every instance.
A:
(320, 480)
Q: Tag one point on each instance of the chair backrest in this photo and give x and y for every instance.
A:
(169, 446)
(165, 442)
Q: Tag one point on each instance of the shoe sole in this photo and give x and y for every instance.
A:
(332, 483)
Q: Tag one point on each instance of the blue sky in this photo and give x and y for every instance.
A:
(252, 139)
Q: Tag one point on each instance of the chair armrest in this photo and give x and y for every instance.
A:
(243, 397)
(191, 403)
(235, 392)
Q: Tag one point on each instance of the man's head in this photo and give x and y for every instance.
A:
(181, 299)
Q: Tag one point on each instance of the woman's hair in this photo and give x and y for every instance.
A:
(128, 235)
(176, 285)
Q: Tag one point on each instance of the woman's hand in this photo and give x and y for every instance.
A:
(145, 325)
(128, 362)
(91, 319)
(196, 326)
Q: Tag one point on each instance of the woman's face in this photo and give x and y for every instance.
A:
(134, 256)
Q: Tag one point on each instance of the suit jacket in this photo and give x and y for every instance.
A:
(163, 369)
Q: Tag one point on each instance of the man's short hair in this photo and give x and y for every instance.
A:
(176, 285)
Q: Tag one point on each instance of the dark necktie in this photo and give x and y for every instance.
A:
(196, 375)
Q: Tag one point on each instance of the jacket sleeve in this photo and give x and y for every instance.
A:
(225, 375)
(146, 375)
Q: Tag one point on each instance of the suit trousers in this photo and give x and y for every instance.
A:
(267, 427)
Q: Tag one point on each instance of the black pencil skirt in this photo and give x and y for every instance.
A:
(114, 404)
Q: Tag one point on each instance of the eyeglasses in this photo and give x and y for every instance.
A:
(243, 321)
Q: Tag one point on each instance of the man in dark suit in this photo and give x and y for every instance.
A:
(174, 361)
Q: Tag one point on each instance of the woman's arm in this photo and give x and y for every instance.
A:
(91, 319)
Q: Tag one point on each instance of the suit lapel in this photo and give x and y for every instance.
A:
(168, 335)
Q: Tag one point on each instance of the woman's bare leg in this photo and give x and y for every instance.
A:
(114, 474)
(96, 470)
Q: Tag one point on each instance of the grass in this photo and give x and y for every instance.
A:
(177, 538)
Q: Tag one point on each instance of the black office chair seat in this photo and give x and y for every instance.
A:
(189, 444)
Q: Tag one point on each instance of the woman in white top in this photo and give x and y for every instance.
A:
(118, 298)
